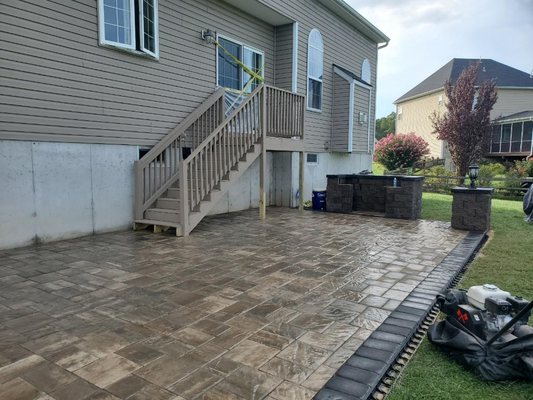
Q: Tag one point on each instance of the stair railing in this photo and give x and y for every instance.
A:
(214, 159)
(158, 169)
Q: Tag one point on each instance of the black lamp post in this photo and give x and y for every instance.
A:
(473, 172)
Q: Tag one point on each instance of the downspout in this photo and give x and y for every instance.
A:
(382, 46)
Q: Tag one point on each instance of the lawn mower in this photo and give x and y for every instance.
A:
(487, 329)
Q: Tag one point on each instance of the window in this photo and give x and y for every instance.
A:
(229, 73)
(516, 137)
(312, 158)
(130, 24)
(528, 134)
(506, 138)
(399, 114)
(315, 70)
(366, 74)
(496, 136)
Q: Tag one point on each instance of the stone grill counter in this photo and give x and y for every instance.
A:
(375, 193)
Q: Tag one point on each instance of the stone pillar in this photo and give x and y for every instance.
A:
(339, 196)
(471, 208)
(404, 201)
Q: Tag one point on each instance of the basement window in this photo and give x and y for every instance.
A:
(129, 25)
(312, 159)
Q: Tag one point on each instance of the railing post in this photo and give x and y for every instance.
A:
(262, 168)
(184, 197)
(139, 190)
(301, 182)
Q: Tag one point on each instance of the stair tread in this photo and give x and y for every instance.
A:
(154, 222)
(164, 210)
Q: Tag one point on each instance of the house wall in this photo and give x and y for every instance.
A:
(56, 191)
(283, 57)
(415, 118)
(59, 85)
(511, 101)
(343, 45)
(340, 114)
(362, 140)
(73, 114)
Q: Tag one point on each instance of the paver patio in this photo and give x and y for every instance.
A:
(241, 309)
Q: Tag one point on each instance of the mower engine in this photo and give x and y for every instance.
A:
(485, 310)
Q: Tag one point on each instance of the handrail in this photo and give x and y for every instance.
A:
(158, 169)
(215, 157)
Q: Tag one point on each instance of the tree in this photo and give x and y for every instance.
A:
(465, 124)
(385, 125)
(400, 151)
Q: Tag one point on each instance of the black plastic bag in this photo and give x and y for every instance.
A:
(528, 203)
(510, 360)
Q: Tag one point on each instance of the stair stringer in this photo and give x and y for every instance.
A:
(216, 195)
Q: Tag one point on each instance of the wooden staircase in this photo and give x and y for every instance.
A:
(176, 192)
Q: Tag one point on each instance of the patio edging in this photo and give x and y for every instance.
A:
(359, 377)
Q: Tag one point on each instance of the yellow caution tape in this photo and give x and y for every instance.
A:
(246, 69)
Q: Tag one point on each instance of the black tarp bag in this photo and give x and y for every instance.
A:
(510, 360)
(528, 203)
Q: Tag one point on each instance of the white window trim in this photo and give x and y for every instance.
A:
(243, 46)
(101, 26)
(295, 57)
(132, 49)
(156, 29)
(319, 110)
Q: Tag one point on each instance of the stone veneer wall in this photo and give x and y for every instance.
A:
(347, 193)
(471, 208)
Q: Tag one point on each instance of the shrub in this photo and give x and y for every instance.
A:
(487, 172)
(400, 151)
(523, 168)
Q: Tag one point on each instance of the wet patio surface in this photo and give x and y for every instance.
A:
(241, 309)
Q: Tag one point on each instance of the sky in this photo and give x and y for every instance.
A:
(425, 35)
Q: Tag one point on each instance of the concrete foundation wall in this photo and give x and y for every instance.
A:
(330, 163)
(53, 191)
(244, 193)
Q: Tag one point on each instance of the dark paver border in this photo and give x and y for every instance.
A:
(360, 376)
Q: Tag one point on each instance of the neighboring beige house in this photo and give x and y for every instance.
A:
(414, 108)
(115, 111)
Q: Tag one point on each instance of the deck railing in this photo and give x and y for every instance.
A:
(158, 169)
(285, 113)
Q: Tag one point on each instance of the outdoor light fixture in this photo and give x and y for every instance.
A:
(473, 172)
(209, 36)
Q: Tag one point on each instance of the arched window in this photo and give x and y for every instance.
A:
(366, 75)
(315, 70)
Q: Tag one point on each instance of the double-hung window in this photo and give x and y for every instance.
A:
(315, 70)
(230, 73)
(130, 25)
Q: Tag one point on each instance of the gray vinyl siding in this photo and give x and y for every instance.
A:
(360, 130)
(343, 45)
(340, 114)
(283, 57)
(59, 85)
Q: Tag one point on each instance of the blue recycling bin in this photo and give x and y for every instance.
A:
(318, 200)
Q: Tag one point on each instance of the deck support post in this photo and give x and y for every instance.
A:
(301, 182)
(263, 161)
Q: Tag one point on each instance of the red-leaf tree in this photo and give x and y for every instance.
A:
(465, 124)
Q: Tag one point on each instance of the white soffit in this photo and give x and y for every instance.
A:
(260, 11)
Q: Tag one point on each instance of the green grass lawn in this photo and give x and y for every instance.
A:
(505, 260)
(377, 168)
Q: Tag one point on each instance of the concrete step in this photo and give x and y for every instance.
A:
(163, 215)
